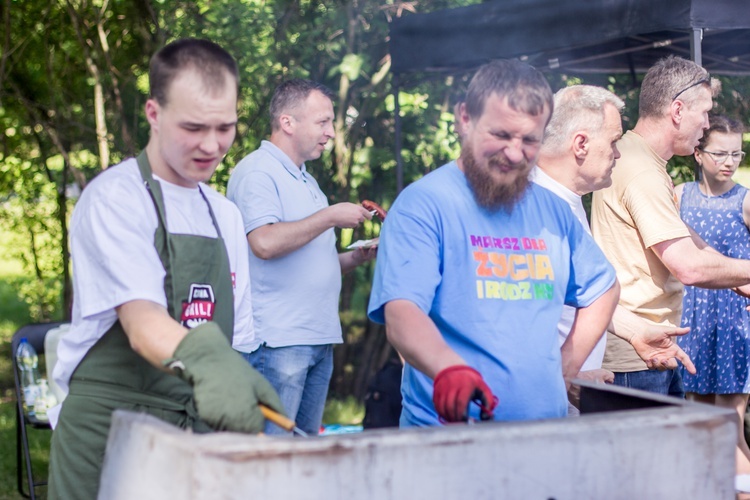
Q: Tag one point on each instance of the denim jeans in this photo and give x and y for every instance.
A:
(300, 374)
(668, 382)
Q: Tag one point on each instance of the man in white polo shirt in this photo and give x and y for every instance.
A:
(294, 264)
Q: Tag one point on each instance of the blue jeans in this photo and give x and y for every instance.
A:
(668, 382)
(300, 374)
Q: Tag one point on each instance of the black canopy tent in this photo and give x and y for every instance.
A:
(583, 36)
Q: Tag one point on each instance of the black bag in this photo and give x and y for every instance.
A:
(383, 398)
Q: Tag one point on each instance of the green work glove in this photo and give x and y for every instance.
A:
(226, 388)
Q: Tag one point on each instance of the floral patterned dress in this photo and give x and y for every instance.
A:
(719, 339)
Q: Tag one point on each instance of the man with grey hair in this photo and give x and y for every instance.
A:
(294, 265)
(577, 157)
(475, 265)
(637, 222)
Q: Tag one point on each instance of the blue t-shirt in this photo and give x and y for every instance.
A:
(295, 297)
(494, 283)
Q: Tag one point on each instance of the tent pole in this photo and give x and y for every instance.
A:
(398, 139)
(696, 54)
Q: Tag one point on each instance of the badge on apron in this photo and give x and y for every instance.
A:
(199, 307)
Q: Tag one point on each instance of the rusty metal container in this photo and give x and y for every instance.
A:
(626, 445)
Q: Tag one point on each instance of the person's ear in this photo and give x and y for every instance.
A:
(152, 112)
(463, 118)
(457, 123)
(287, 123)
(580, 145)
(676, 110)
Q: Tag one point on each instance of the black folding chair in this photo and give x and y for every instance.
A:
(35, 334)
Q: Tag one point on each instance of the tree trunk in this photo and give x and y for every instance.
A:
(62, 216)
(99, 115)
(99, 112)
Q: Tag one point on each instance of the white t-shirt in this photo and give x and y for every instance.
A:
(115, 261)
(539, 177)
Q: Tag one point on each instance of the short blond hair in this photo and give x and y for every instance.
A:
(670, 78)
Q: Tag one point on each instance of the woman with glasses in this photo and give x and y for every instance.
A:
(718, 210)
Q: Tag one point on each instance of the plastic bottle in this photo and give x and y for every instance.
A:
(27, 364)
(44, 400)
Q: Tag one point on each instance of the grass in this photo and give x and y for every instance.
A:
(346, 412)
(13, 314)
(39, 441)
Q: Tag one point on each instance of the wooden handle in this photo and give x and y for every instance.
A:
(277, 418)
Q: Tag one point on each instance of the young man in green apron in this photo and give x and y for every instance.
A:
(160, 294)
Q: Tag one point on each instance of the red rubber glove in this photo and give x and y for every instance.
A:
(455, 387)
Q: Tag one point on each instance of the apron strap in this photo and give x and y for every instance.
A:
(154, 190)
(153, 187)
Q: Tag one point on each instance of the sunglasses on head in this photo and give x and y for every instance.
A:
(706, 80)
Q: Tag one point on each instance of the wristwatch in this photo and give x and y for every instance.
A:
(175, 365)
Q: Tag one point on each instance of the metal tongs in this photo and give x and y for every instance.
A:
(483, 416)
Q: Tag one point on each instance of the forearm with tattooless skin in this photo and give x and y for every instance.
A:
(417, 339)
(625, 324)
(587, 329)
(151, 331)
(703, 267)
(281, 238)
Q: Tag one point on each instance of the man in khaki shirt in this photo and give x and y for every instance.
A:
(637, 222)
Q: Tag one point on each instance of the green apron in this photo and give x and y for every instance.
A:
(111, 376)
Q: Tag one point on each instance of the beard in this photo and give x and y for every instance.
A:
(489, 191)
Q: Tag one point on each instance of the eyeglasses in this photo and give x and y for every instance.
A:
(706, 80)
(720, 158)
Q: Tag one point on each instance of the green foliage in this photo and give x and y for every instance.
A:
(60, 56)
(351, 67)
(57, 58)
(33, 239)
(346, 411)
(57, 135)
(428, 137)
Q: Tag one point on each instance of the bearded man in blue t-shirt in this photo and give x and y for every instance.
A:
(475, 264)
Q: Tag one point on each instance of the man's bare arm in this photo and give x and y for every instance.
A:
(152, 332)
(586, 331)
(693, 262)
(281, 238)
(417, 339)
